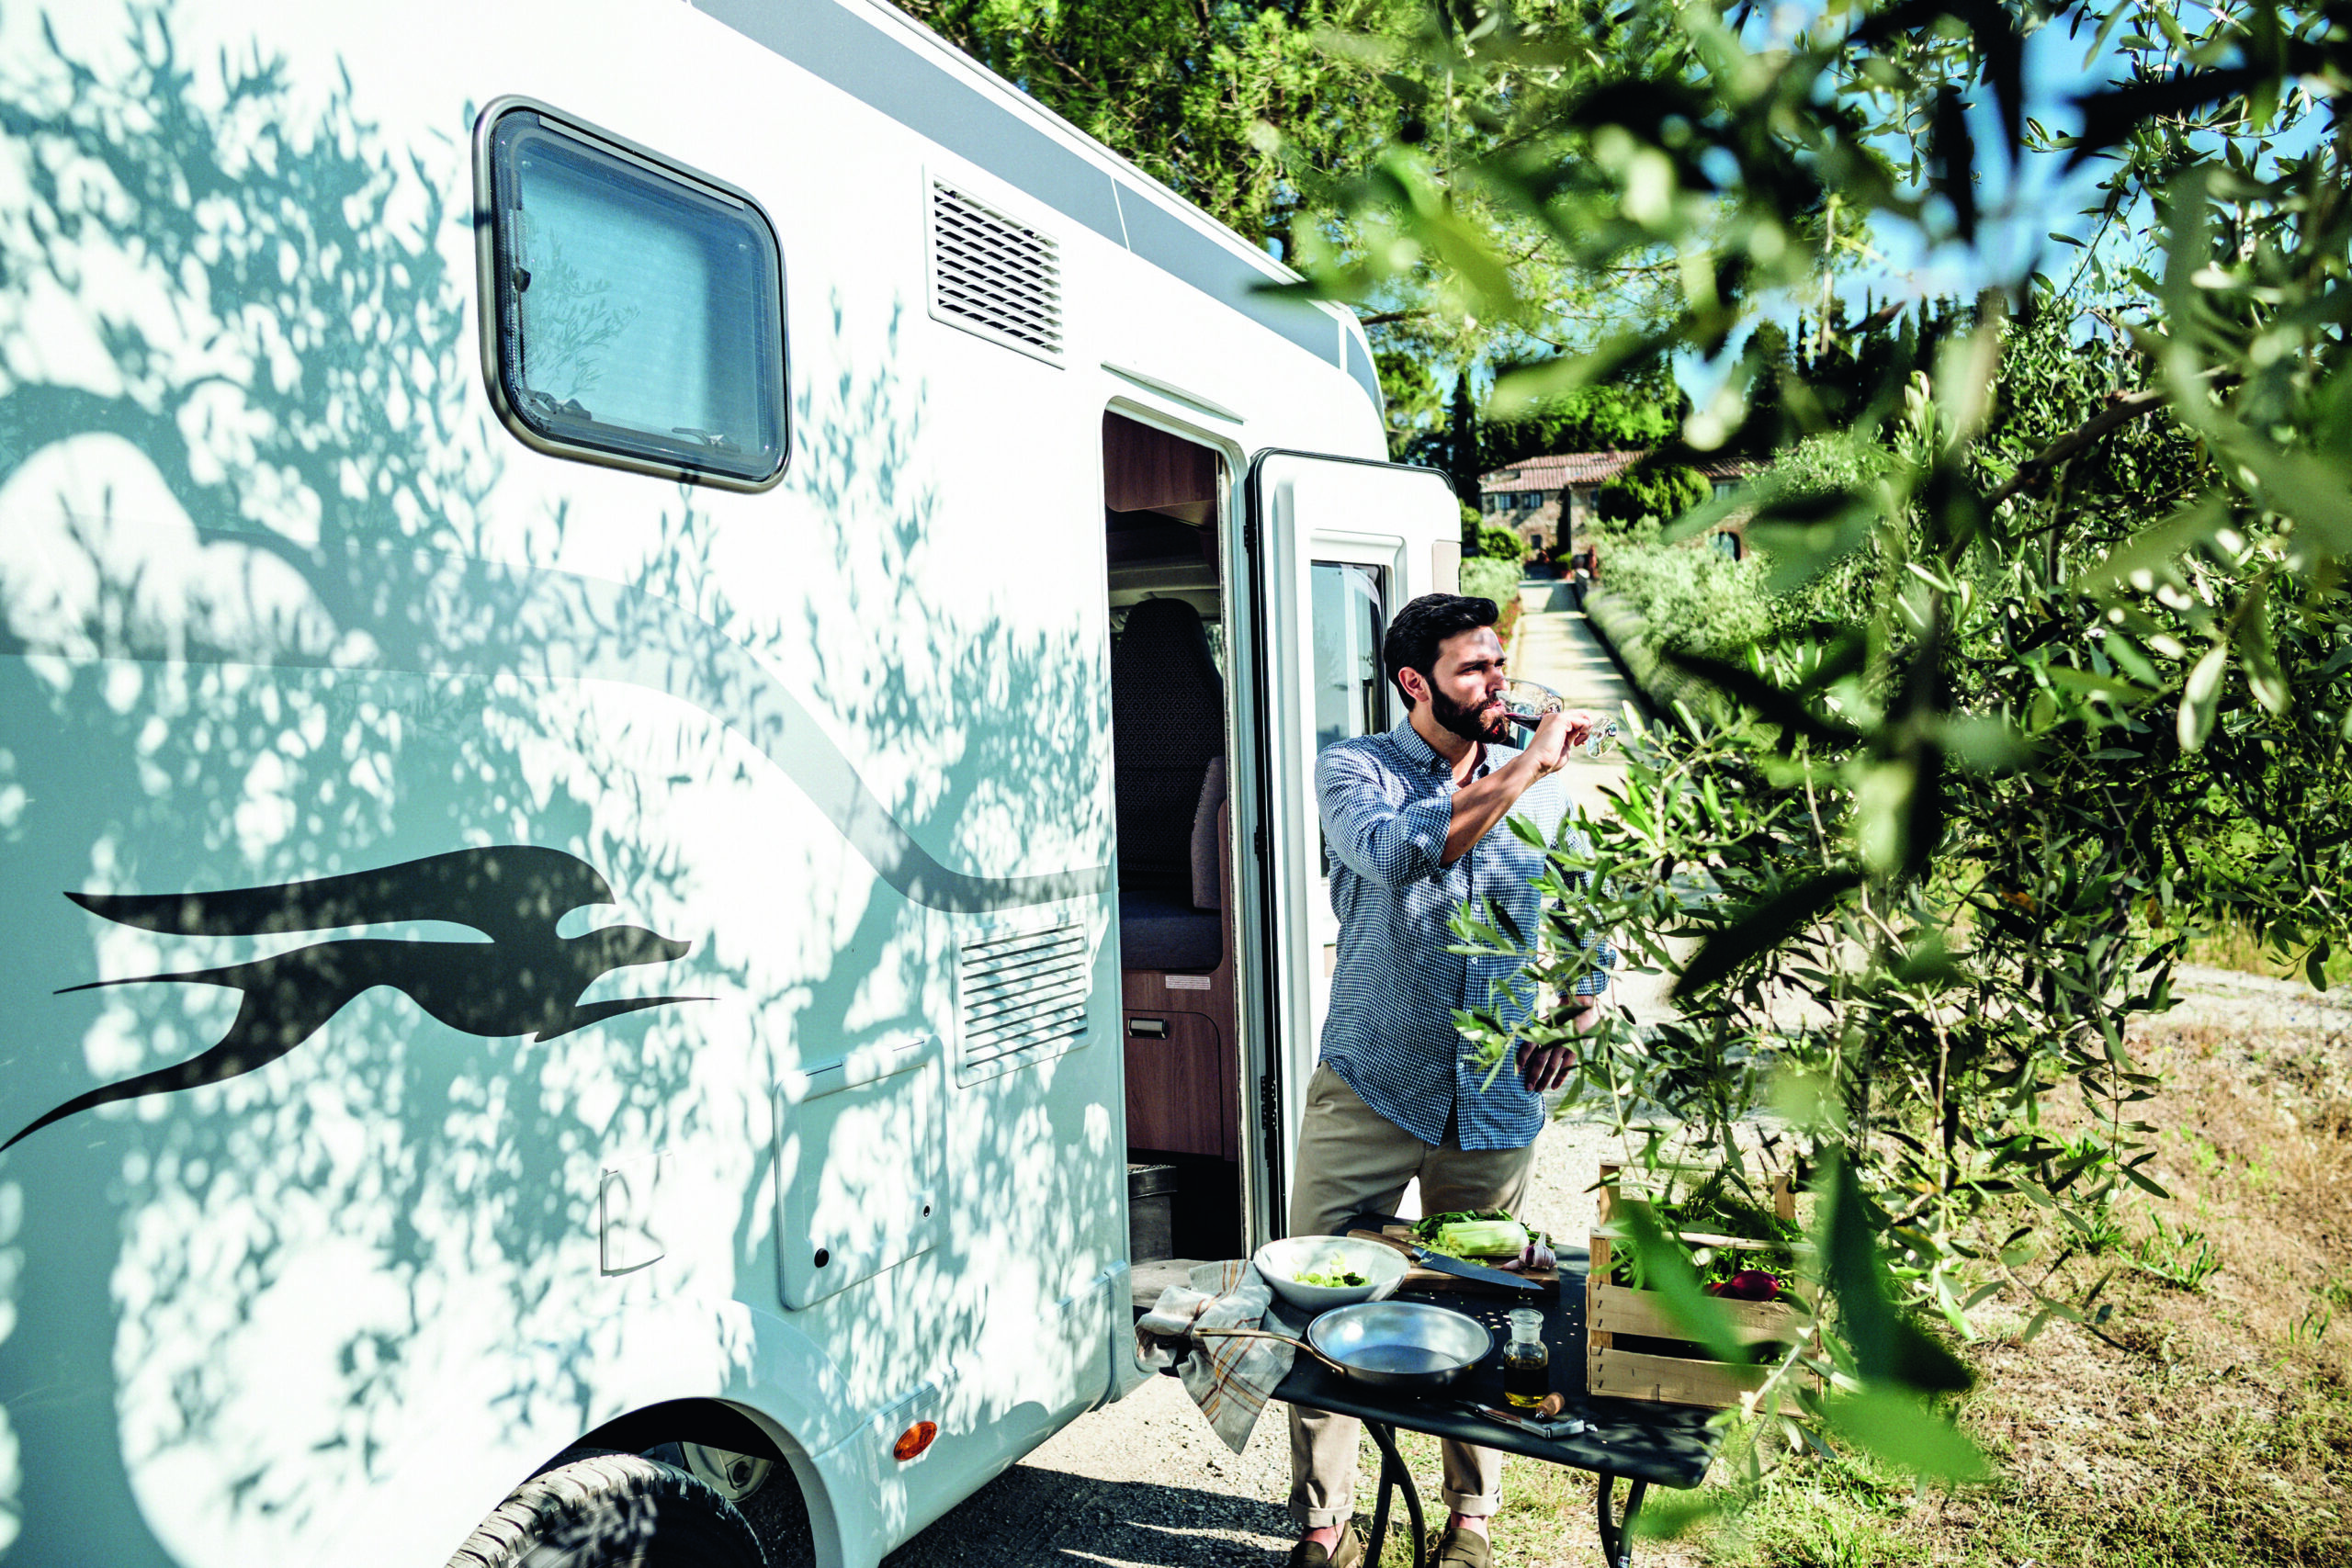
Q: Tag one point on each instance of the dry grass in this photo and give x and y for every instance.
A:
(2207, 1426)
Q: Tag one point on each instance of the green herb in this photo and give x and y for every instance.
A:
(1711, 1209)
(1334, 1275)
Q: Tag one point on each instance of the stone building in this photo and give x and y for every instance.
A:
(1548, 500)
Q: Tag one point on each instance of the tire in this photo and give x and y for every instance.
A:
(593, 1508)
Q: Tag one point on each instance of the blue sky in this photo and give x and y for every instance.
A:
(2017, 211)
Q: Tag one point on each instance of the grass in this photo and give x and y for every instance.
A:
(2183, 1257)
(2209, 1424)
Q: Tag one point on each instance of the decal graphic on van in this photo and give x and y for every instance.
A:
(525, 980)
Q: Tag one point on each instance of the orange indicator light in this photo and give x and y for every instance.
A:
(913, 1440)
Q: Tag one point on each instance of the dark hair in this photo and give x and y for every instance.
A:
(1414, 636)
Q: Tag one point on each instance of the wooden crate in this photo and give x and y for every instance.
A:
(1611, 1310)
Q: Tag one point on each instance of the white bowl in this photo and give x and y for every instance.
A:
(1382, 1269)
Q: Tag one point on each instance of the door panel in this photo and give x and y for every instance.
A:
(1350, 605)
(1180, 1085)
(1383, 520)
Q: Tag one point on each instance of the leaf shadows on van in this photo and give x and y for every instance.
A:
(979, 703)
(280, 602)
(242, 458)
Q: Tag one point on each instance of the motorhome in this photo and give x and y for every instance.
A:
(661, 665)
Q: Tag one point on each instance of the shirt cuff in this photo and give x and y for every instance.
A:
(1421, 836)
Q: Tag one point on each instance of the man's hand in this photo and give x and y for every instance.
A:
(1482, 803)
(1561, 732)
(1545, 1067)
(1548, 746)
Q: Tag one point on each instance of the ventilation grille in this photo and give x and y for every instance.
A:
(1024, 996)
(993, 276)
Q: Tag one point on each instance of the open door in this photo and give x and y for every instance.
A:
(1334, 545)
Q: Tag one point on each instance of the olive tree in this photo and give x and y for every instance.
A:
(2063, 669)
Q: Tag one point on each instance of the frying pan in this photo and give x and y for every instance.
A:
(1411, 1347)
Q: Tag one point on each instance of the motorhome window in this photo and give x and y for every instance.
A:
(639, 311)
(1349, 619)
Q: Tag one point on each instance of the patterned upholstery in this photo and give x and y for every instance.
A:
(1208, 867)
(1166, 721)
(1167, 727)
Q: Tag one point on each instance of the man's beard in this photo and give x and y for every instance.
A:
(1457, 719)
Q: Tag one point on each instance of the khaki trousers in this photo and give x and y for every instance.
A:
(1353, 1160)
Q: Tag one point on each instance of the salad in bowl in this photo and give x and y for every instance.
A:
(1316, 1272)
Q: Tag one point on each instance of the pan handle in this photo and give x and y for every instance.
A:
(1337, 1366)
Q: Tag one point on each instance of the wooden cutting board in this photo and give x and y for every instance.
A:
(1420, 1279)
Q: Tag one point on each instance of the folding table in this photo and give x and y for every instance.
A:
(1641, 1442)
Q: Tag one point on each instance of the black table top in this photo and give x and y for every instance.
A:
(1668, 1445)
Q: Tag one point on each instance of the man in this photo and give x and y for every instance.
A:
(1414, 820)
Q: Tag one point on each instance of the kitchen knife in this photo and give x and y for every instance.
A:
(1462, 1268)
(1459, 1267)
(1551, 1430)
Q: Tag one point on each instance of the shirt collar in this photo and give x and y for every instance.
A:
(1423, 755)
(1418, 752)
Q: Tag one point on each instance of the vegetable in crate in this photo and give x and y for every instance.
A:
(1747, 1285)
(1758, 1273)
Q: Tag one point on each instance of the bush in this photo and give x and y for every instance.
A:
(1623, 533)
(1496, 581)
(1490, 541)
(1695, 599)
(1820, 466)
(1815, 468)
(1665, 493)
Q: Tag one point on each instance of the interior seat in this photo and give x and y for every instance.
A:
(1167, 728)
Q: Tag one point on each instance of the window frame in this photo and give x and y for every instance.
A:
(493, 304)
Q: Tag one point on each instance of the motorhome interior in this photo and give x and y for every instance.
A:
(1171, 737)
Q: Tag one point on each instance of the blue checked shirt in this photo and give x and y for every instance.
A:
(1387, 802)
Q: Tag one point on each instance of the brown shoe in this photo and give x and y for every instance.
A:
(1313, 1554)
(1458, 1548)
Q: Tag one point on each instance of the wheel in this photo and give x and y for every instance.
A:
(763, 1491)
(593, 1508)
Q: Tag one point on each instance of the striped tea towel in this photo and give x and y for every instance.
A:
(1229, 1378)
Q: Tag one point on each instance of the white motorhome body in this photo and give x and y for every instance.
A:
(527, 920)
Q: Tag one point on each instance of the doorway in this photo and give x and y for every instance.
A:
(1172, 722)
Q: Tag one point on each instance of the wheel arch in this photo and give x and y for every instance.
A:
(737, 1428)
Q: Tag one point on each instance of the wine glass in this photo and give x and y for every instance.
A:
(1526, 702)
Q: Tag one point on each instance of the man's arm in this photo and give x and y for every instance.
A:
(1482, 803)
(1381, 842)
